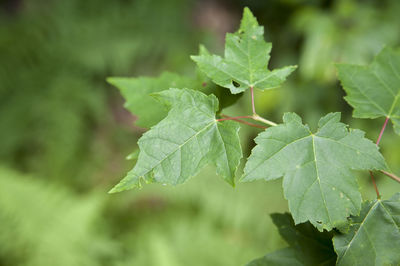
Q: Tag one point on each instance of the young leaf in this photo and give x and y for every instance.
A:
(308, 246)
(317, 180)
(246, 60)
(374, 91)
(182, 143)
(373, 237)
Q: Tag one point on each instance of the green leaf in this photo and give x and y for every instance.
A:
(374, 90)
(186, 140)
(373, 237)
(308, 246)
(136, 92)
(317, 180)
(246, 60)
(225, 98)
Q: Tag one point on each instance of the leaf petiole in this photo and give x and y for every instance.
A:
(392, 176)
(255, 115)
(263, 120)
(240, 121)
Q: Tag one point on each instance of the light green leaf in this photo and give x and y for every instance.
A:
(186, 140)
(136, 92)
(374, 90)
(373, 237)
(308, 246)
(246, 60)
(317, 180)
(133, 155)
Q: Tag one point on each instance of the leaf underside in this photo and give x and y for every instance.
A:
(374, 90)
(185, 141)
(373, 237)
(245, 63)
(316, 168)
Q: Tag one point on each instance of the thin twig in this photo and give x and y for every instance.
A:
(240, 121)
(382, 130)
(392, 176)
(255, 115)
(234, 117)
(377, 144)
(375, 186)
(263, 120)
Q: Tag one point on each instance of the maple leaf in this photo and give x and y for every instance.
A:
(185, 141)
(317, 180)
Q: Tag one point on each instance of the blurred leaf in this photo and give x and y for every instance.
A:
(347, 32)
(136, 92)
(282, 257)
(374, 91)
(48, 224)
(308, 246)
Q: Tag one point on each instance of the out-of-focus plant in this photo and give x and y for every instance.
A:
(351, 31)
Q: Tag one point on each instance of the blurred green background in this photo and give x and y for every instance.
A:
(64, 133)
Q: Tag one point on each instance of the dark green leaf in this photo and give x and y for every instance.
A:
(373, 237)
(308, 246)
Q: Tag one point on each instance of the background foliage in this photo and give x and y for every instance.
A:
(64, 133)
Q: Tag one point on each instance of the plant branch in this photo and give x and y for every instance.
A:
(392, 176)
(255, 115)
(240, 121)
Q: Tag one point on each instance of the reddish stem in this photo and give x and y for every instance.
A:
(375, 186)
(377, 144)
(252, 99)
(241, 121)
(382, 130)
